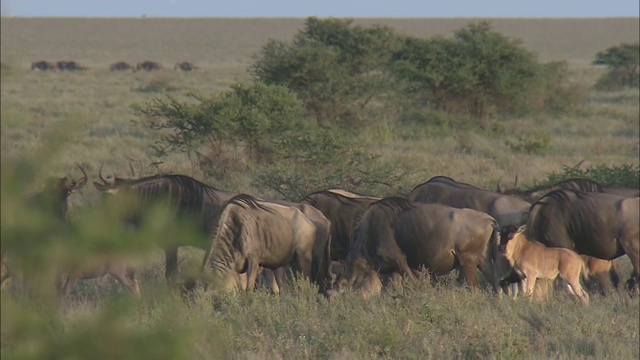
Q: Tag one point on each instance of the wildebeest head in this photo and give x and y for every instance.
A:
(112, 184)
(506, 233)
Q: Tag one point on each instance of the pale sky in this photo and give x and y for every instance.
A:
(322, 8)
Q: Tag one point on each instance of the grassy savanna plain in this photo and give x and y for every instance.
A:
(56, 120)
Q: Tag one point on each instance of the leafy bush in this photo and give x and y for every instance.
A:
(338, 70)
(531, 144)
(264, 124)
(479, 72)
(623, 62)
(624, 175)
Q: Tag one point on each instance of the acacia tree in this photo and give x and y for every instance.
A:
(475, 71)
(623, 62)
(337, 69)
(284, 151)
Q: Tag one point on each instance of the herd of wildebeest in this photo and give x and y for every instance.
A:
(118, 66)
(567, 235)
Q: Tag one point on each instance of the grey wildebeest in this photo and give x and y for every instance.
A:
(188, 198)
(70, 66)
(505, 209)
(121, 66)
(148, 66)
(343, 209)
(536, 261)
(186, 66)
(253, 233)
(399, 237)
(601, 225)
(43, 66)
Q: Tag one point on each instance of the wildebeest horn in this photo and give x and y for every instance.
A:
(105, 180)
(82, 181)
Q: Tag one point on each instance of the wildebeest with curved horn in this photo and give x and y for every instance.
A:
(192, 199)
(343, 209)
(397, 236)
(253, 233)
(596, 224)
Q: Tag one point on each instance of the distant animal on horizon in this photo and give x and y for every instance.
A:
(121, 66)
(149, 66)
(43, 66)
(186, 66)
(70, 66)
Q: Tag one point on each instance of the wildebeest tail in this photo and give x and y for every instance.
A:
(321, 262)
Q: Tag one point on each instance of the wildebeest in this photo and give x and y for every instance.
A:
(192, 199)
(185, 66)
(148, 66)
(120, 270)
(580, 184)
(43, 66)
(51, 201)
(505, 209)
(601, 225)
(70, 66)
(343, 209)
(121, 66)
(537, 261)
(399, 237)
(253, 233)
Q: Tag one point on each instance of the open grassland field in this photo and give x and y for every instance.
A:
(92, 111)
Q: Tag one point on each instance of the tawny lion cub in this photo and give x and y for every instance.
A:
(537, 261)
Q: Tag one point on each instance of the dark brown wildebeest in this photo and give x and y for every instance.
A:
(343, 209)
(121, 66)
(192, 199)
(253, 233)
(70, 66)
(506, 209)
(186, 66)
(536, 261)
(43, 66)
(580, 184)
(149, 66)
(601, 225)
(399, 237)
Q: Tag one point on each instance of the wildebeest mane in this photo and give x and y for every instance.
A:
(185, 190)
(327, 192)
(439, 178)
(579, 184)
(245, 200)
(396, 204)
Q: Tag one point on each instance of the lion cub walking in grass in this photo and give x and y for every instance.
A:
(536, 261)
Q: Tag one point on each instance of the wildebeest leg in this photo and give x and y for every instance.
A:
(252, 274)
(72, 279)
(171, 267)
(530, 285)
(127, 278)
(468, 268)
(574, 287)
